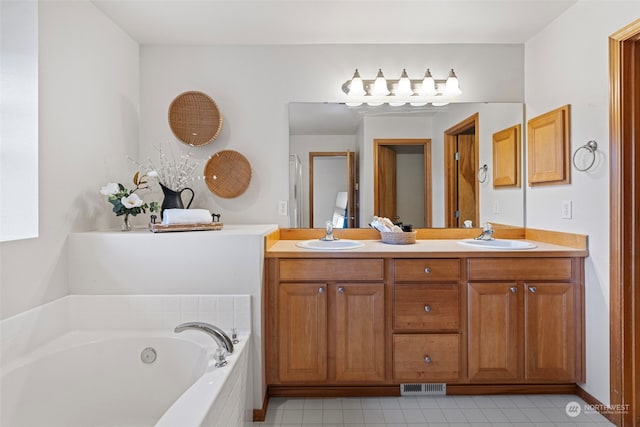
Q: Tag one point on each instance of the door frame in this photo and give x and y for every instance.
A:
(349, 159)
(450, 136)
(624, 111)
(426, 149)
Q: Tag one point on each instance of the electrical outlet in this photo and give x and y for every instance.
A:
(496, 207)
(283, 208)
(566, 209)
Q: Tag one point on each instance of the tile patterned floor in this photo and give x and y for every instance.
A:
(439, 411)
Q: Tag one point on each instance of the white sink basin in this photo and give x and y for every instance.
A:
(329, 245)
(498, 244)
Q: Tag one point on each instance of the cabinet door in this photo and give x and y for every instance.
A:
(302, 332)
(495, 331)
(550, 331)
(359, 335)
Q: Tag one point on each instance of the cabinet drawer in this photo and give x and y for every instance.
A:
(520, 269)
(427, 270)
(426, 307)
(331, 269)
(426, 357)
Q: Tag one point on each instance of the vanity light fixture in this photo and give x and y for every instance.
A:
(399, 92)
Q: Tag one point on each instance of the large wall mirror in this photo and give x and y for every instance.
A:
(426, 162)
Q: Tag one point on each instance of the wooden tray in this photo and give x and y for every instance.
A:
(166, 228)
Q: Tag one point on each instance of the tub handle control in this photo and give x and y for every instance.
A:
(220, 357)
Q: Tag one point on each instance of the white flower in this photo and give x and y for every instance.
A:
(131, 201)
(152, 174)
(109, 189)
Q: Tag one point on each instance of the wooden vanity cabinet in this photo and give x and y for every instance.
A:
(372, 323)
(330, 331)
(525, 320)
(427, 340)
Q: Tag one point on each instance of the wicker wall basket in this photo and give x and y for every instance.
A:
(398, 237)
(227, 174)
(194, 118)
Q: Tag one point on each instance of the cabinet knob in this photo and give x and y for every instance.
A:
(427, 308)
(427, 359)
(533, 289)
(513, 289)
(321, 291)
(427, 270)
(341, 290)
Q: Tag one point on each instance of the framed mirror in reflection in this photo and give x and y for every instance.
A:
(420, 166)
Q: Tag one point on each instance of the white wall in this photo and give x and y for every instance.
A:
(88, 101)
(567, 63)
(252, 86)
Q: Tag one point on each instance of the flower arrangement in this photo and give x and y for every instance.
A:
(126, 202)
(173, 173)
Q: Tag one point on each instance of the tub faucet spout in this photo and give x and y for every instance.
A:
(218, 335)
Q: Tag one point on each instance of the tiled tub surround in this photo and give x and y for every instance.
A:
(68, 339)
(225, 262)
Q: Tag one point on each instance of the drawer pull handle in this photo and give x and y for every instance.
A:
(427, 270)
(513, 289)
(427, 308)
(341, 290)
(427, 359)
(533, 289)
(321, 291)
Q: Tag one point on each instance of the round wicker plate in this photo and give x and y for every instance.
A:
(227, 174)
(194, 118)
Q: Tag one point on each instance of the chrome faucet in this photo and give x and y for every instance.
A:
(218, 335)
(487, 233)
(329, 237)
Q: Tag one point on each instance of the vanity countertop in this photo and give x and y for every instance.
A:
(429, 248)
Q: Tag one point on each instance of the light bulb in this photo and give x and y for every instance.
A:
(452, 87)
(428, 84)
(404, 85)
(356, 87)
(380, 85)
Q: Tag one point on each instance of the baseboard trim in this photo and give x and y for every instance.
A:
(333, 391)
(471, 389)
(394, 390)
(595, 403)
(260, 414)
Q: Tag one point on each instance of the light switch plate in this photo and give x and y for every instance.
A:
(283, 208)
(566, 209)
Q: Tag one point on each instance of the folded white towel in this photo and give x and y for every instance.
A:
(186, 216)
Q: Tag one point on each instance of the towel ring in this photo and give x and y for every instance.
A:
(482, 174)
(591, 148)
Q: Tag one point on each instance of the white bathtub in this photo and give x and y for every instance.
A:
(97, 378)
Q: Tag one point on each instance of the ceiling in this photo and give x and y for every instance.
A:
(263, 22)
(260, 22)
